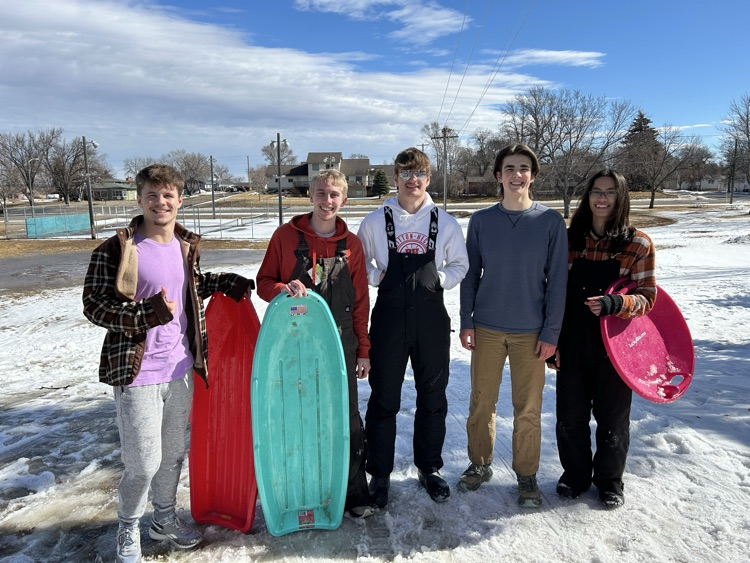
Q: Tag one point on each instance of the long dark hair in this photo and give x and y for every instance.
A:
(617, 228)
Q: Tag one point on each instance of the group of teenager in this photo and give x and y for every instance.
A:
(531, 292)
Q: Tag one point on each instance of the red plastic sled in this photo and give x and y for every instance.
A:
(652, 353)
(223, 490)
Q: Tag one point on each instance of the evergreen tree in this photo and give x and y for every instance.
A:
(640, 148)
(380, 185)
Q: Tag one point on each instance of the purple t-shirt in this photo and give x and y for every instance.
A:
(167, 356)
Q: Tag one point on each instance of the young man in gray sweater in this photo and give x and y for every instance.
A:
(512, 304)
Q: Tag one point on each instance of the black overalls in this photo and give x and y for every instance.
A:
(333, 282)
(409, 321)
(587, 382)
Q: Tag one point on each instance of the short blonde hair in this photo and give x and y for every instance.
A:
(331, 177)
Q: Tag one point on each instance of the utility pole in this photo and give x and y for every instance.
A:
(88, 184)
(730, 184)
(278, 142)
(213, 187)
(445, 138)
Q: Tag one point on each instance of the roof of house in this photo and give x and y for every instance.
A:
(320, 157)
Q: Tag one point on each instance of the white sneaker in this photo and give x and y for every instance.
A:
(129, 544)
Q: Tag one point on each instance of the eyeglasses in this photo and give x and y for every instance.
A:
(406, 174)
(596, 194)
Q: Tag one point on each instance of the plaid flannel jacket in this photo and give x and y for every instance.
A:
(109, 302)
(637, 261)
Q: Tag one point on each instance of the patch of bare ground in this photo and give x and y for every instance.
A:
(23, 247)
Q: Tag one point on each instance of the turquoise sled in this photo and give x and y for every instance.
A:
(300, 416)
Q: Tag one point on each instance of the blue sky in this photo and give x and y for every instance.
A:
(362, 76)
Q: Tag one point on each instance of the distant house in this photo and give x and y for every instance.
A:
(218, 185)
(111, 189)
(711, 184)
(296, 178)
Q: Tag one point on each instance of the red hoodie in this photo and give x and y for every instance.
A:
(279, 261)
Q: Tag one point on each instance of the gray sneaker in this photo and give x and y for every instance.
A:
(174, 531)
(528, 492)
(474, 476)
(128, 544)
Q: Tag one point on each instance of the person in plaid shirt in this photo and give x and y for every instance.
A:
(602, 247)
(144, 285)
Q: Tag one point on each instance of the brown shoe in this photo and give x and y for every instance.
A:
(528, 492)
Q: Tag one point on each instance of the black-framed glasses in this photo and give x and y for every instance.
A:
(406, 174)
(596, 194)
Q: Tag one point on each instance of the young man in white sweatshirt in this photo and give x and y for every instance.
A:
(413, 251)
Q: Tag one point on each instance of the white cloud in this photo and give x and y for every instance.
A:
(417, 22)
(530, 57)
(144, 81)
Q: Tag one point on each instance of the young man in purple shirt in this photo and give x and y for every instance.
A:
(144, 285)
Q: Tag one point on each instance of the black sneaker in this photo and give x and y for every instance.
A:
(436, 486)
(175, 531)
(378, 489)
(474, 476)
(611, 499)
(565, 490)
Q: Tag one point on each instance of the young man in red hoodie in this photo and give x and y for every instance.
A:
(317, 251)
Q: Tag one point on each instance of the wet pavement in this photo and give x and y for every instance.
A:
(29, 274)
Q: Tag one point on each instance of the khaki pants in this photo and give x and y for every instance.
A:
(527, 383)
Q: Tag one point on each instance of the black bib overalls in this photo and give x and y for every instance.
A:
(408, 322)
(588, 383)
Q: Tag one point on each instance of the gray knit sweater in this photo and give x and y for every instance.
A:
(518, 271)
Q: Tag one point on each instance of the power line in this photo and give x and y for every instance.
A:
(498, 63)
(455, 56)
(468, 62)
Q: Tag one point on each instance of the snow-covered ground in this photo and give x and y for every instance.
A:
(687, 480)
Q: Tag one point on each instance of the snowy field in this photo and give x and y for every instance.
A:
(687, 480)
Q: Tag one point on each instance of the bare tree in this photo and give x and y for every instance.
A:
(65, 167)
(135, 164)
(10, 181)
(697, 165)
(25, 151)
(195, 168)
(270, 153)
(572, 134)
(659, 159)
(486, 146)
(731, 162)
(531, 119)
(433, 135)
(258, 179)
(222, 173)
(736, 130)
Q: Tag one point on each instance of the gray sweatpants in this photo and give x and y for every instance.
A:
(152, 420)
